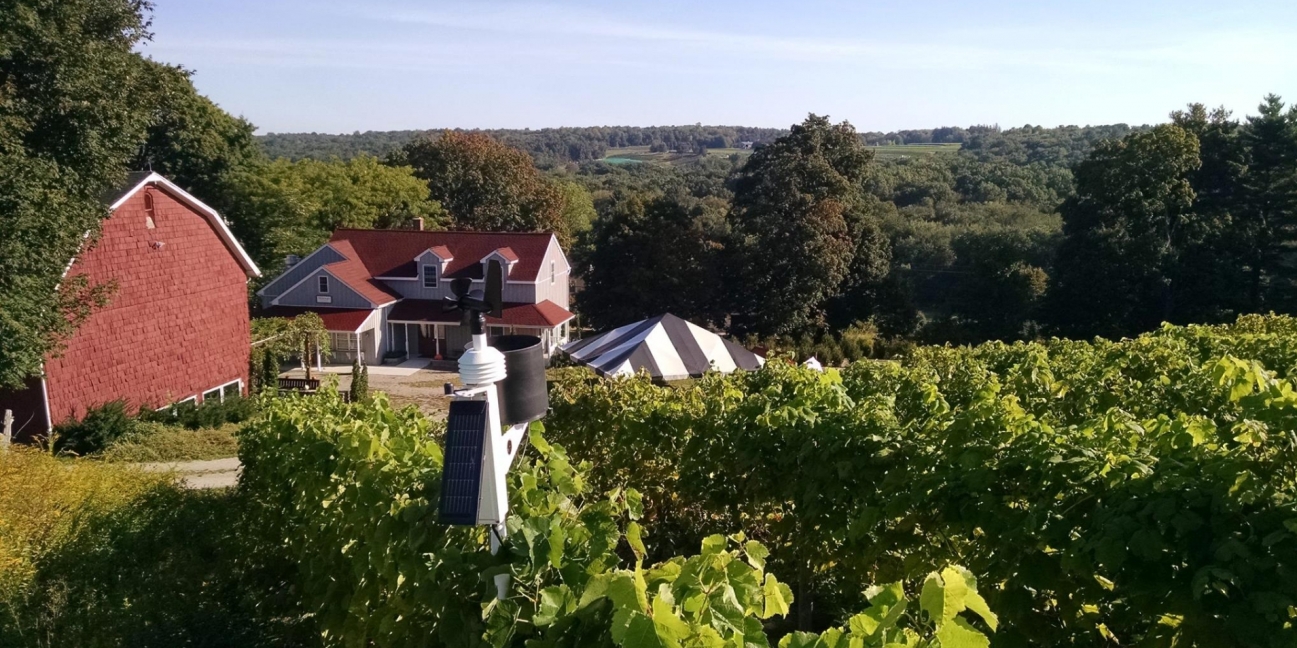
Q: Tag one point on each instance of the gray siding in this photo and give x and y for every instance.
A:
(324, 255)
(557, 291)
(305, 293)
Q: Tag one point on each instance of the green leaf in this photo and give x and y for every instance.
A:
(713, 544)
(799, 640)
(535, 436)
(634, 536)
(756, 554)
(553, 602)
(670, 626)
(634, 504)
(595, 589)
(642, 633)
(556, 538)
(778, 597)
(961, 635)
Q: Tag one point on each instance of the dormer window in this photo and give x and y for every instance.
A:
(430, 276)
(323, 283)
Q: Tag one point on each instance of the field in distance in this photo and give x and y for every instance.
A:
(638, 154)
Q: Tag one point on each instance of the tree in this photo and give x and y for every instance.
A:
(648, 256)
(359, 382)
(70, 119)
(289, 207)
(309, 338)
(193, 142)
(802, 224)
(1268, 209)
(485, 185)
(1125, 231)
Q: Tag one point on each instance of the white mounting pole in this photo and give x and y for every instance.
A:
(8, 434)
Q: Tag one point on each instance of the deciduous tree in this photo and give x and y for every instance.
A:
(70, 119)
(485, 185)
(802, 225)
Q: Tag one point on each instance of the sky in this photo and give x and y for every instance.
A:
(337, 67)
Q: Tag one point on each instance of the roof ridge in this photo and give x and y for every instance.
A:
(415, 231)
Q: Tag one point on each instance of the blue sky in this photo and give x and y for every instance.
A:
(328, 66)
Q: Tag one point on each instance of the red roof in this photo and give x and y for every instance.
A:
(546, 314)
(391, 253)
(335, 319)
(353, 273)
(442, 252)
(507, 253)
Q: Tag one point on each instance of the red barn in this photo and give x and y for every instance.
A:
(176, 326)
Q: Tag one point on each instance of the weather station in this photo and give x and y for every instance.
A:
(503, 391)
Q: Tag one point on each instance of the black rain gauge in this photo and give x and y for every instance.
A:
(504, 385)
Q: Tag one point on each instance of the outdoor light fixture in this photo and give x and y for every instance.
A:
(504, 385)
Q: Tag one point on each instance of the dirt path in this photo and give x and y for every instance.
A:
(216, 473)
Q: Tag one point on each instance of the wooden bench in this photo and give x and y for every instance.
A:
(299, 384)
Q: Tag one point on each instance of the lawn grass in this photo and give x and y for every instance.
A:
(157, 442)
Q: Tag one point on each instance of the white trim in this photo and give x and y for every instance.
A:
(304, 260)
(218, 396)
(45, 400)
(222, 230)
(423, 276)
(182, 401)
(397, 278)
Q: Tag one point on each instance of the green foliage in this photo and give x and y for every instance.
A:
(651, 255)
(211, 413)
(95, 431)
(97, 555)
(284, 207)
(486, 185)
(1140, 490)
(349, 494)
(359, 381)
(43, 502)
(153, 442)
(70, 119)
(803, 226)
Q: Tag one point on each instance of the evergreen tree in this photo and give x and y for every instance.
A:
(1268, 205)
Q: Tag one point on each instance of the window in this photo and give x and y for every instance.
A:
(430, 276)
(212, 394)
(193, 400)
(232, 389)
(551, 272)
(342, 342)
(324, 283)
(148, 210)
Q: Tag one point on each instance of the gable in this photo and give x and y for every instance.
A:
(125, 193)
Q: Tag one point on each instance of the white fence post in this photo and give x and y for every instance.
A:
(7, 436)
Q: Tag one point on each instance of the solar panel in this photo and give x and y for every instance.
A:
(461, 477)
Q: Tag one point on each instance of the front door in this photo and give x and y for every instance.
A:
(427, 341)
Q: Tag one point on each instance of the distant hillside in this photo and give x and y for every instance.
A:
(548, 146)
(1060, 146)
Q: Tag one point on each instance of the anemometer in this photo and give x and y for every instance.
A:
(504, 385)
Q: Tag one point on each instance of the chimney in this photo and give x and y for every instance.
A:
(291, 260)
(418, 223)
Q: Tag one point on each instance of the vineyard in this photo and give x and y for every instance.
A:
(1137, 492)
(348, 494)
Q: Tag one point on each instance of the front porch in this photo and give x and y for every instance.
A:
(434, 340)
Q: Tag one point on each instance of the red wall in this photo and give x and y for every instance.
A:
(176, 325)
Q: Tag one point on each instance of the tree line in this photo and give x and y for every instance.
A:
(547, 146)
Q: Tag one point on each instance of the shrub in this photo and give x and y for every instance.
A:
(211, 414)
(44, 502)
(152, 441)
(98, 428)
(359, 381)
